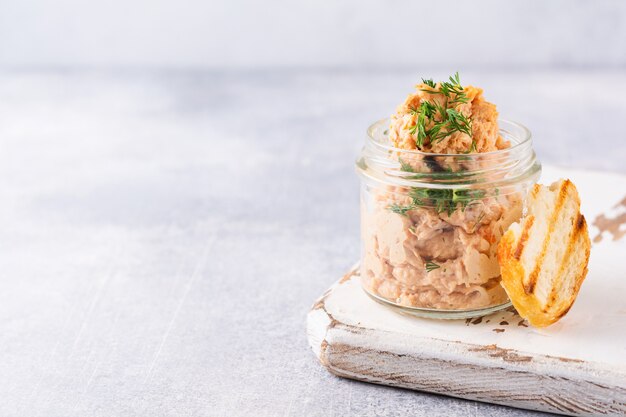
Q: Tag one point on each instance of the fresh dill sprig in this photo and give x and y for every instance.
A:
(459, 122)
(431, 266)
(465, 198)
(419, 195)
(401, 210)
(424, 113)
(443, 119)
(472, 147)
(454, 121)
(404, 166)
(429, 82)
(445, 200)
(452, 89)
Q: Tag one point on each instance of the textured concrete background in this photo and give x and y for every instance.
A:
(166, 232)
(358, 34)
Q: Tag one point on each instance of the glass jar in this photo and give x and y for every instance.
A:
(431, 223)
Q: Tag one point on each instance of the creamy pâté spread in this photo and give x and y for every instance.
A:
(437, 248)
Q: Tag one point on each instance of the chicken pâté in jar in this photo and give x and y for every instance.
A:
(441, 181)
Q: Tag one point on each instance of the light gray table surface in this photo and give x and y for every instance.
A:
(164, 233)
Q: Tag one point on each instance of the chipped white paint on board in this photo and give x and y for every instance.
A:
(575, 367)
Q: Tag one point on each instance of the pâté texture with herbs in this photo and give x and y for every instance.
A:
(446, 118)
(435, 246)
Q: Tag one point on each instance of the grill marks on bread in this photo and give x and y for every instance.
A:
(576, 240)
(544, 260)
(528, 224)
(531, 281)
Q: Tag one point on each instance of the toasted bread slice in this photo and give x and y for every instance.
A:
(543, 259)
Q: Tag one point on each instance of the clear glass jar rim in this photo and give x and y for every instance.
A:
(525, 138)
(382, 162)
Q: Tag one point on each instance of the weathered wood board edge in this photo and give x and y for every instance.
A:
(482, 373)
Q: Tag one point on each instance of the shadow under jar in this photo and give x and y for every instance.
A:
(431, 223)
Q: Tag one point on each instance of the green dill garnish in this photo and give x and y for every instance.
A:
(419, 195)
(424, 113)
(451, 89)
(429, 83)
(405, 166)
(443, 119)
(460, 122)
(430, 266)
(454, 87)
(454, 121)
(445, 200)
(401, 210)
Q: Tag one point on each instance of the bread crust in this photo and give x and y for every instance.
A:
(519, 276)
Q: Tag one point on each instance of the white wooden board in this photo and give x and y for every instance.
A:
(575, 367)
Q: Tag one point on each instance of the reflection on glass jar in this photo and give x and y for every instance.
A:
(431, 223)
